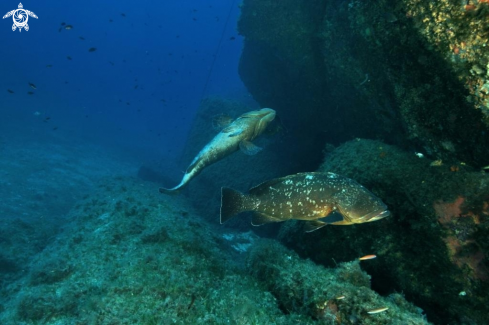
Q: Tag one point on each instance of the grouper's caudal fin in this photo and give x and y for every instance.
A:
(176, 189)
(170, 191)
(232, 203)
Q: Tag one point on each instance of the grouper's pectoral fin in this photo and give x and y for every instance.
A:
(259, 219)
(310, 226)
(333, 218)
(249, 148)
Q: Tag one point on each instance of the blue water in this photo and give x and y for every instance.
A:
(142, 85)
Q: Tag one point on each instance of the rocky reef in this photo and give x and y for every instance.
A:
(131, 256)
(339, 295)
(434, 246)
(413, 74)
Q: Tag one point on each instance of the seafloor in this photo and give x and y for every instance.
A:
(84, 241)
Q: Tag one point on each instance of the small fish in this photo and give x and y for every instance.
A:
(32, 85)
(10, 91)
(312, 197)
(62, 24)
(123, 14)
(30, 93)
(49, 66)
(68, 27)
(110, 20)
(232, 38)
(436, 163)
(69, 58)
(367, 257)
(340, 298)
(377, 310)
(81, 37)
(92, 49)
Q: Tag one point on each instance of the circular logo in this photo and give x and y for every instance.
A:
(20, 18)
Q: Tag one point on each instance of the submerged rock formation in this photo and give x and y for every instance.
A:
(433, 247)
(412, 72)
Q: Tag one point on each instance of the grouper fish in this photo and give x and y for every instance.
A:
(236, 136)
(312, 197)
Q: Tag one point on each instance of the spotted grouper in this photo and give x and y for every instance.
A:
(312, 197)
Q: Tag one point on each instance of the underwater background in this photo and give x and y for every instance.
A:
(104, 103)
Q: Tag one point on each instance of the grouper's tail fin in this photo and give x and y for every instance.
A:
(175, 190)
(169, 191)
(232, 203)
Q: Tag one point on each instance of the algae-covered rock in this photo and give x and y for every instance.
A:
(339, 295)
(434, 245)
(131, 256)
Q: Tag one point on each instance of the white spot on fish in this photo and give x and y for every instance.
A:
(309, 177)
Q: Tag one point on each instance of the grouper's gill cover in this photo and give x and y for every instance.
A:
(357, 204)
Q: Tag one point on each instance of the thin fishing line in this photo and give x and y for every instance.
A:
(217, 51)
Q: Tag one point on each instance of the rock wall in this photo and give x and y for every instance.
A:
(411, 72)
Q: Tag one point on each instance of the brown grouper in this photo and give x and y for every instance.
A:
(236, 136)
(312, 197)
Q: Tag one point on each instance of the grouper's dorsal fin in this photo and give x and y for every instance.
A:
(258, 189)
(259, 219)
